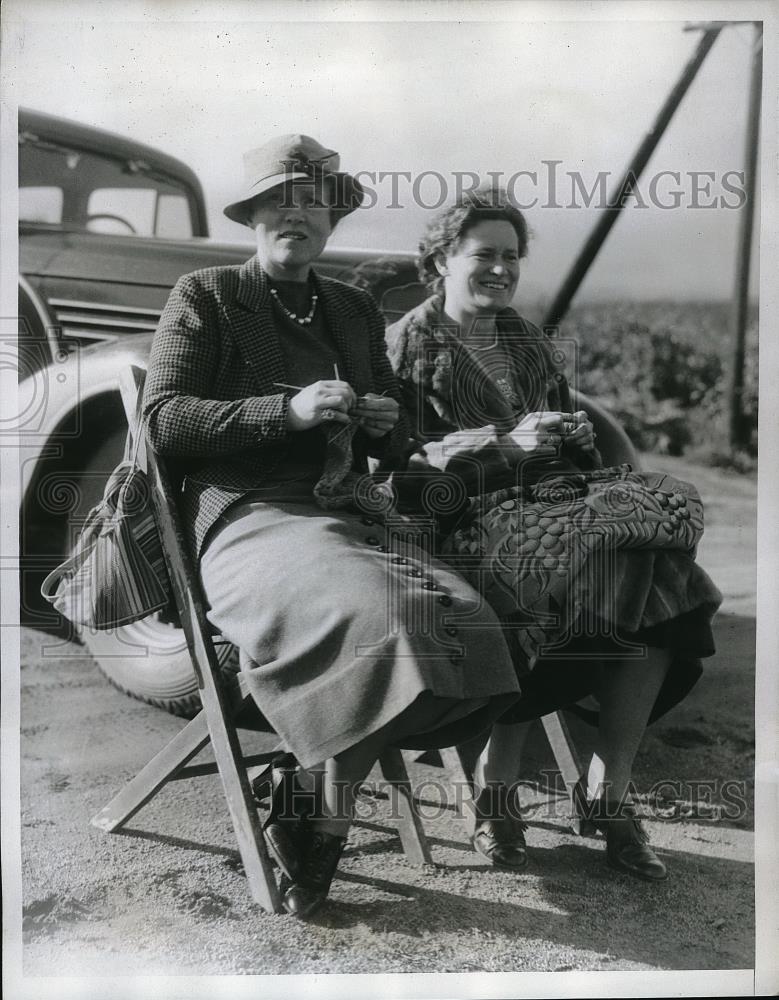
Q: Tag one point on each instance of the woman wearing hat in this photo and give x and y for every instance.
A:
(270, 383)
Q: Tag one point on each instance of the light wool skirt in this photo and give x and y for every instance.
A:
(348, 628)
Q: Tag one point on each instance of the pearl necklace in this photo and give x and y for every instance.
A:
(302, 320)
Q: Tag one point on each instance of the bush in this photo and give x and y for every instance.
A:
(662, 368)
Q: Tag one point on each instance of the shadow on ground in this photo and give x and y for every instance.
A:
(169, 896)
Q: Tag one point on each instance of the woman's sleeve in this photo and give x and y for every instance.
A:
(181, 417)
(584, 459)
(473, 455)
(464, 452)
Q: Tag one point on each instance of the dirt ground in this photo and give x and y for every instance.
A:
(168, 896)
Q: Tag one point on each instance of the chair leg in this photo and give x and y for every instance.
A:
(240, 801)
(160, 769)
(462, 780)
(410, 829)
(565, 755)
(209, 725)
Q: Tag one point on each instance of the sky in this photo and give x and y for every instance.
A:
(511, 88)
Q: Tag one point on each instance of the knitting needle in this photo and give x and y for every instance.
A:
(361, 399)
(335, 369)
(285, 385)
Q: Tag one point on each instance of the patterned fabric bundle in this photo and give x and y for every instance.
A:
(538, 549)
(116, 573)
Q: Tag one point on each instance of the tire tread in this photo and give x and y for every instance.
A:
(184, 707)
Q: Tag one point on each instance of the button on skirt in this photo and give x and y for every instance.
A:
(344, 627)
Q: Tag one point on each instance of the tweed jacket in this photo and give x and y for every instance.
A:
(210, 399)
(459, 417)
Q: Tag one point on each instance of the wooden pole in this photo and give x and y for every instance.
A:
(738, 432)
(610, 213)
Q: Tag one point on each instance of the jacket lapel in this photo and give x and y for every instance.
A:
(254, 331)
(348, 331)
(251, 320)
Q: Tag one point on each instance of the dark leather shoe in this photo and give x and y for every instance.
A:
(627, 842)
(502, 841)
(499, 835)
(320, 858)
(628, 850)
(284, 829)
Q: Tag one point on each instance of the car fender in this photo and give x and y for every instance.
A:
(50, 397)
(612, 441)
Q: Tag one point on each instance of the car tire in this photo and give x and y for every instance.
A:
(149, 660)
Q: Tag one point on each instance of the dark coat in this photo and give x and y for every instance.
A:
(210, 398)
(458, 415)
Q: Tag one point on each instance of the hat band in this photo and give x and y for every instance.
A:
(314, 168)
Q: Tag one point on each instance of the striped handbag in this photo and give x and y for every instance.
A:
(116, 573)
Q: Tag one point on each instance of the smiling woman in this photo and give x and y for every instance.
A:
(483, 261)
(591, 570)
(485, 267)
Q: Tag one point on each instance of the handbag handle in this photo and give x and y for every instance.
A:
(135, 433)
(131, 481)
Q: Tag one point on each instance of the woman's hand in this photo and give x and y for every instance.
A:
(583, 433)
(328, 399)
(540, 432)
(377, 414)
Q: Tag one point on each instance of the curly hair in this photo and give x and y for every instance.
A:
(450, 226)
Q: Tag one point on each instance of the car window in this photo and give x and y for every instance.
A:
(173, 218)
(90, 191)
(139, 211)
(117, 210)
(38, 203)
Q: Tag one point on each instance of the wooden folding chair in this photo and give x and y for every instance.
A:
(222, 701)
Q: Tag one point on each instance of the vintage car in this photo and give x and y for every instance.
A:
(107, 226)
